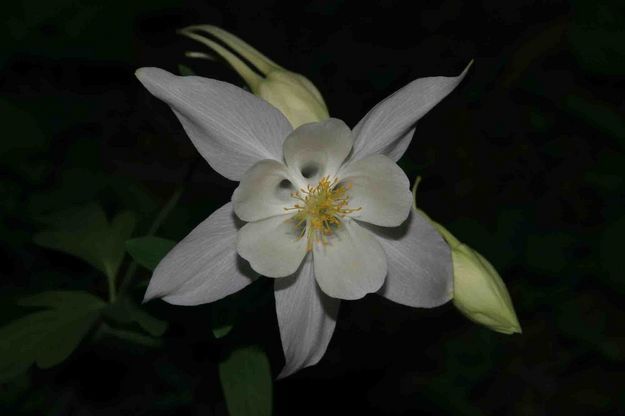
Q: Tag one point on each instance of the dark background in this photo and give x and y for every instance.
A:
(524, 162)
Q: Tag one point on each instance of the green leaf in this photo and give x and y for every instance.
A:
(125, 311)
(130, 336)
(49, 336)
(148, 251)
(246, 381)
(84, 232)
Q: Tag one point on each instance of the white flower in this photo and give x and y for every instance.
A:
(327, 211)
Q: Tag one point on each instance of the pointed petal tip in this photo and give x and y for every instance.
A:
(284, 373)
(154, 79)
(144, 72)
(155, 290)
(151, 77)
(149, 295)
(388, 127)
(465, 70)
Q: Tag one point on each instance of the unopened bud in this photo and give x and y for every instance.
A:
(291, 93)
(479, 292)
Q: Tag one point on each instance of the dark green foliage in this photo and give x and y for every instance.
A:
(125, 311)
(48, 336)
(149, 251)
(246, 382)
(85, 232)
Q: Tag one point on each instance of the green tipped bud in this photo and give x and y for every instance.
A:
(479, 292)
(293, 94)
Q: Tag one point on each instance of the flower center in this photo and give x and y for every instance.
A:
(321, 209)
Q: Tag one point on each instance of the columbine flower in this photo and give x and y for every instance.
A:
(324, 210)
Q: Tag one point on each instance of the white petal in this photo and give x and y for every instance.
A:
(306, 317)
(379, 188)
(231, 128)
(318, 149)
(265, 190)
(272, 246)
(351, 264)
(204, 266)
(387, 127)
(420, 269)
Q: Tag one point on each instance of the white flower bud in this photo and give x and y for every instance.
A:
(295, 96)
(291, 93)
(479, 292)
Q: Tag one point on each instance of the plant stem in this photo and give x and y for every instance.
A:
(111, 284)
(160, 217)
(158, 221)
(166, 210)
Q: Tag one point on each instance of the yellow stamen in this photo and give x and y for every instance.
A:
(321, 209)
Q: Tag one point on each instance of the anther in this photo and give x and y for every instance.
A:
(323, 207)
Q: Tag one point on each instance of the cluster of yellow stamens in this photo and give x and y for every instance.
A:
(321, 209)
